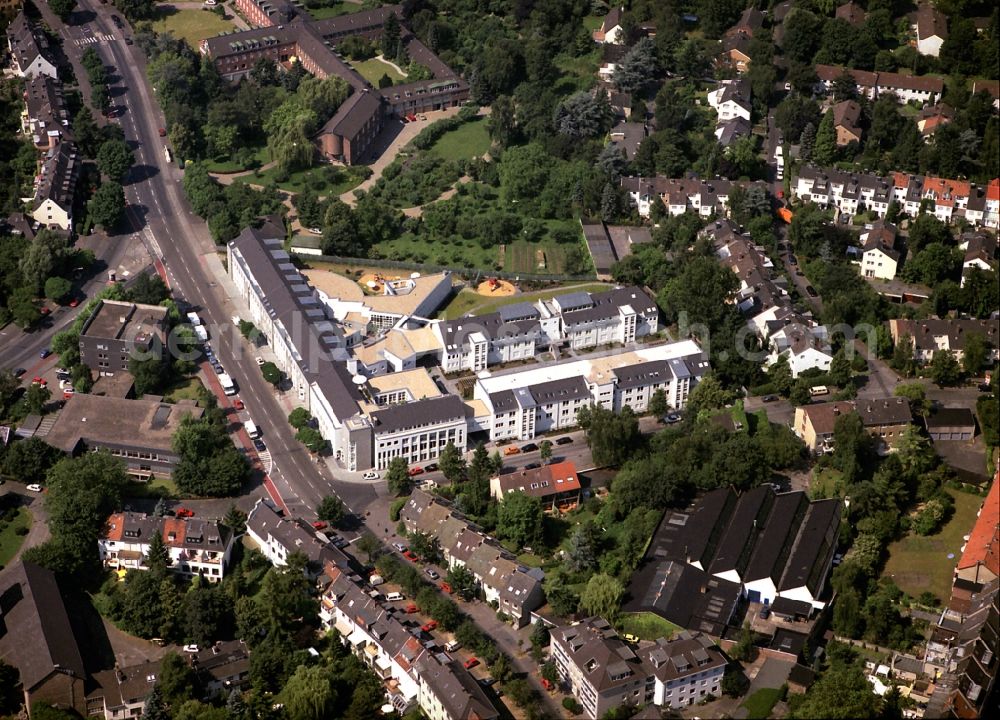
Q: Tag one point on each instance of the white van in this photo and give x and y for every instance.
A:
(394, 596)
(453, 646)
(819, 390)
(252, 430)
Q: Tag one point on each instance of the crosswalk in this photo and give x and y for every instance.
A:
(94, 39)
(265, 461)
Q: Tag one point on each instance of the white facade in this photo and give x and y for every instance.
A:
(875, 263)
(687, 690)
(728, 108)
(50, 214)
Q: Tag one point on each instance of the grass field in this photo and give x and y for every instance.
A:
(824, 483)
(10, 541)
(646, 625)
(191, 25)
(256, 159)
(186, 389)
(341, 8)
(469, 300)
(325, 179)
(372, 70)
(918, 564)
(466, 141)
(760, 703)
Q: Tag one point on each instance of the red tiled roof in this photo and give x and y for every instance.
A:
(993, 189)
(984, 540)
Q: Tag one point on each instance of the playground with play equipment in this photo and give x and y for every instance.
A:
(495, 287)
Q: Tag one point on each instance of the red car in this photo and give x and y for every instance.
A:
(183, 512)
(411, 556)
(428, 626)
(44, 310)
(411, 608)
(411, 117)
(319, 525)
(238, 404)
(446, 587)
(548, 685)
(416, 471)
(74, 302)
(163, 132)
(470, 663)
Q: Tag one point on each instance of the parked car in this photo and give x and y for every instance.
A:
(238, 404)
(429, 625)
(259, 444)
(183, 512)
(512, 450)
(411, 609)
(319, 525)
(410, 555)
(370, 475)
(671, 418)
(470, 663)
(431, 468)
(18, 372)
(445, 587)
(316, 230)
(74, 302)
(34, 487)
(564, 441)
(45, 352)
(548, 685)
(765, 613)
(530, 447)
(769, 398)
(417, 470)
(532, 466)
(162, 132)
(629, 637)
(190, 648)
(432, 573)
(811, 291)
(399, 546)
(487, 681)
(792, 259)
(259, 360)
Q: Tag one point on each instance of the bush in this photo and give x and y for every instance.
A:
(573, 705)
(396, 507)
(22, 531)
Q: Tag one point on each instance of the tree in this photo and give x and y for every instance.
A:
(155, 708)
(638, 68)
(62, 8)
(602, 596)
(612, 437)
(207, 614)
(825, 150)
(841, 692)
(582, 115)
(584, 546)
(209, 463)
(808, 141)
(609, 203)
(57, 288)
(331, 509)
(462, 582)
(708, 394)
(452, 463)
(299, 418)
(744, 650)
(312, 438)
(150, 374)
(903, 360)
(390, 36)
(369, 545)
(107, 206)
(397, 477)
(29, 460)
(545, 451)
(426, 546)
(914, 392)
(944, 369)
(852, 446)
(114, 159)
(272, 373)
(974, 356)
(519, 519)
(148, 289)
(309, 693)
(157, 557)
(735, 682)
(36, 398)
(840, 369)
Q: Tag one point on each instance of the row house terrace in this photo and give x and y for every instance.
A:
(708, 198)
(856, 192)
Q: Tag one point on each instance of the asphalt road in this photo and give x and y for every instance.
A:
(181, 241)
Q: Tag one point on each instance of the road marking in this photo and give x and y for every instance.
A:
(93, 40)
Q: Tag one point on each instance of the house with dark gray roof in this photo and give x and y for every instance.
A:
(278, 536)
(45, 118)
(30, 52)
(37, 638)
(55, 187)
(288, 34)
(759, 544)
(449, 692)
(418, 431)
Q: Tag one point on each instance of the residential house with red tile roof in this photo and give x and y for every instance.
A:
(556, 485)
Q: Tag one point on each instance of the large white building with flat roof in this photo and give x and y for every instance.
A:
(524, 403)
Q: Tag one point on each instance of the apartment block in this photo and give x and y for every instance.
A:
(195, 547)
(603, 672)
(906, 88)
(117, 331)
(277, 537)
(29, 48)
(522, 404)
(949, 334)
(885, 418)
(418, 431)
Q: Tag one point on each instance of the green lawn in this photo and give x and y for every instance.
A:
(191, 25)
(256, 158)
(467, 300)
(325, 179)
(646, 626)
(372, 70)
(466, 141)
(185, 389)
(341, 8)
(159, 486)
(592, 22)
(824, 483)
(10, 541)
(918, 564)
(760, 703)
